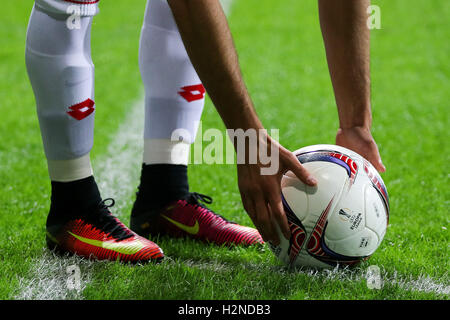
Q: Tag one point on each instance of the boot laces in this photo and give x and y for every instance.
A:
(108, 223)
(199, 200)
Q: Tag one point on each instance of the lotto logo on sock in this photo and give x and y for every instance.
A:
(192, 93)
(81, 110)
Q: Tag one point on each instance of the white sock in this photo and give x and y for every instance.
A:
(61, 73)
(70, 170)
(159, 151)
(82, 8)
(174, 94)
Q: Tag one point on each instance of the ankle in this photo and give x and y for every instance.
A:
(161, 184)
(69, 199)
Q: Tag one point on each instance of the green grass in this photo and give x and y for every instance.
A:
(283, 62)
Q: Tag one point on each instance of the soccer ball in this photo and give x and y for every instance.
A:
(342, 220)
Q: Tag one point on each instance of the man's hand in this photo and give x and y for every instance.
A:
(261, 194)
(360, 140)
(347, 43)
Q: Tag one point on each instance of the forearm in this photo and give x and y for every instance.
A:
(207, 38)
(347, 44)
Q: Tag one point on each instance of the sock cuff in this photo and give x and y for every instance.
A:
(82, 8)
(70, 199)
(162, 183)
(165, 151)
(70, 170)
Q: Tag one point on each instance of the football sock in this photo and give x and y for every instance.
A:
(61, 73)
(69, 170)
(174, 94)
(174, 100)
(81, 8)
(166, 151)
(72, 199)
(160, 184)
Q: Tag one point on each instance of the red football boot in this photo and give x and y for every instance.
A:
(98, 234)
(189, 218)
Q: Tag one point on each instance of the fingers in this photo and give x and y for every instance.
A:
(300, 171)
(263, 216)
(249, 208)
(253, 213)
(375, 159)
(261, 195)
(378, 164)
(277, 212)
(360, 140)
(264, 221)
(372, 154)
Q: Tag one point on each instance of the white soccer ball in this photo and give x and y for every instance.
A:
(342, 220)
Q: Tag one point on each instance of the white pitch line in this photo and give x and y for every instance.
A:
(421, 283)
(117, 175)
(48, 278)
(424, 283)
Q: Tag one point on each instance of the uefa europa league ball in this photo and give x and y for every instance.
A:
(342, 220)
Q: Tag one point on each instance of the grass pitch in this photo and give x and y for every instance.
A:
(283, 62)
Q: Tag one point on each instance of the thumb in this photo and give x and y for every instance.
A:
(375, 159)
(378, 164)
